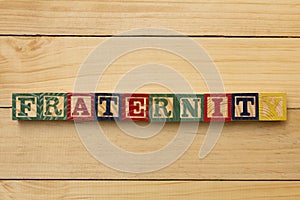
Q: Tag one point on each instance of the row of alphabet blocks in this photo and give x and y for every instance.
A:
(149, 107)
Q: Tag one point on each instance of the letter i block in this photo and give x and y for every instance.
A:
(191, 107)
(108, 106)
(272, 107)
(135, 107)
(26, 106)
(81, 106)
(217, 107)
(54, 106)
(245, 106)
(163, 108)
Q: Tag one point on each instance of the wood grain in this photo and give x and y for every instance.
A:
(225, 17)
(47, 150)
(148, 190)
(50, 64)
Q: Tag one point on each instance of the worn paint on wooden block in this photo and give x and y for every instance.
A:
(217, 107)
(54, 106)
(26, 106)
(190, 107)
(163, 108)
(81, 106)
(108, 106)
(135, 107)
(245, 106)
(272, 107)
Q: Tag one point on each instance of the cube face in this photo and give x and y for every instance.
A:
(81, 106)
(54, 106)
(245, 106)
(135, 107)
(272, 107)
(26, 106)
(163, 108)
(190, 107)
(217, 107)
(108, 106)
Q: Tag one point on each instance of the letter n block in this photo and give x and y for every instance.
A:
(54, 106)
(108, 106)
(135, 107)
(217, 107)
(81, 106)
(26, 106)
(163, 108)
(245, 106)
(191, 107)
(272, 107)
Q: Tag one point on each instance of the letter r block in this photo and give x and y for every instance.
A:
(272, 107)
(26, 106)
(81, 106)
(108, 106)
(54, 106)
(135, 107)
(245, 106)
(217, 107)
(163, 108)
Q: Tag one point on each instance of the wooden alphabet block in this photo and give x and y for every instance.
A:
(54, 106)
(135, 107)
(162, 108)
(272, 107)
(217, 107)
(190, 107)
(26, 106)
(245, 106)
(108, 106)
(81, 106)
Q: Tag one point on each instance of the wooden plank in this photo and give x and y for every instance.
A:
(149, 190)
(53, 150)
(50, 64)
(225, 17)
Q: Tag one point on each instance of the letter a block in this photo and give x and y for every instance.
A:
(272, 107)
(191, 107)
(163, 108)
(245, 106)
(135, 107)
(108, 106)
(54, 106)
(26, 106)
(81, 106)
(217, 107)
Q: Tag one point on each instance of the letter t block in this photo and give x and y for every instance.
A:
(245, 106)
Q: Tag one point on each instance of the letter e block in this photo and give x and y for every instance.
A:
(135, 107)
(245, 106)
(272, 107)
(217, 107)
(81, 106)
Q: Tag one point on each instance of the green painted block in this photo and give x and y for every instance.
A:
(54, 106)
(163, 108)
(190, 106)
(25, 106)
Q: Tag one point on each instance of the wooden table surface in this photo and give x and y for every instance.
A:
(255, 46)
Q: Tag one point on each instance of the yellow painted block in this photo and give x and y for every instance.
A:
(272, 107)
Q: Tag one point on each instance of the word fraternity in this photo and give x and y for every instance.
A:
(149, 107)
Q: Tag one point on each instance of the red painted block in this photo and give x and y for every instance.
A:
(217, 107)
(81, 106)
(135, 107)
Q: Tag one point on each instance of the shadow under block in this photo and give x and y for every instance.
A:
(272, 107)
